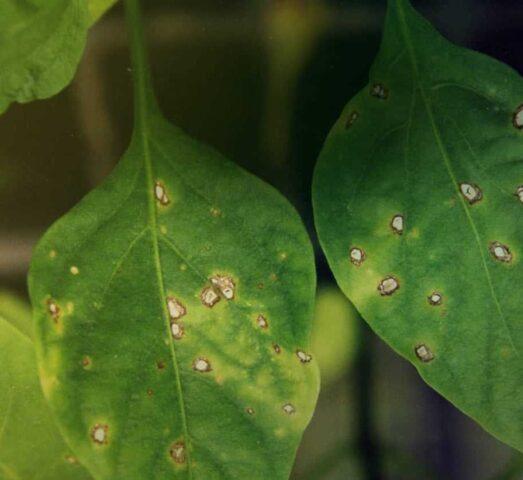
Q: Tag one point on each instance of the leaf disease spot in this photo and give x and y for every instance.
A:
(276, 348)
(250, 410)
(225, 285)
(201, 365)
(209, 297)
(177, 452)
(216, 212)
(500, 252)
(99, 434)
(357, 256)
(86, 362)
(177, 330)
(435, 299)
(303, 357)
(176, 309)
(471, 192)
(518, 118)
(397, 224)
(379, 91)
(289, 409)
(74, 270)
(424, 353)
(519, 193)
(53, 309)
(388, 286)
(161, 194)
(262, 322)
(351, 119)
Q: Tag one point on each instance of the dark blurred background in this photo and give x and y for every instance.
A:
(263, 81)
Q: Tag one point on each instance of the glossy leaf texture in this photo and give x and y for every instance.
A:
(173, 313)
(41, 42)
(31, 447)
(418, 204)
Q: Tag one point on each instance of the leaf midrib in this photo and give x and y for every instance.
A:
(447, 162)
(149, 188)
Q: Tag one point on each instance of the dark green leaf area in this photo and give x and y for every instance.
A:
(418, 199)
(184, 288)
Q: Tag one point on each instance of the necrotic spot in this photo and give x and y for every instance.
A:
(500, 252)
(99, 434)
(471, 192)
(388, 286)
(357, 256)
(177, 452)
(424, 353)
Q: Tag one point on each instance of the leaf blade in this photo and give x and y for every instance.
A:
(145, 387)
(30, 444)
(433, 127)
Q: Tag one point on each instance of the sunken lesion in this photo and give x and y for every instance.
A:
(177, 330)
(225, 285)
(100, 434)
(379, 91)
(262, 322)
(500, 252)
(177, 452)
(209, 297)
(397, 224)
(435, 299)
(160, 193)
(388, 286)
(471, 192)
(303, 356)
(424, 353)
(351, 119)
(357, 256)
(202, 365)
(176, 309)
(517, 118)
(53, 309)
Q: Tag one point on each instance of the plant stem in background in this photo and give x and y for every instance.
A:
(363, 373)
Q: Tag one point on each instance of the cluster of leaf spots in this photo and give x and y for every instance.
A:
(417, 198)
(170, 318)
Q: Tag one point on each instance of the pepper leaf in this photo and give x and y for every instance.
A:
(418, 204)
(41, 44)
(31, 446)
(173, 313)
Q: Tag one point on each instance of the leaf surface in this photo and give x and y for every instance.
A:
(173, 313)
(97, 8)
(418, 203)
(31, 447)
(41, 42)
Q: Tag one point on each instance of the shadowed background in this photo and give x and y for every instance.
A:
(262, 81)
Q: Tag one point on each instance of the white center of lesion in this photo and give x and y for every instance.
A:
(397, 224)
(471, 192)
(388, 286)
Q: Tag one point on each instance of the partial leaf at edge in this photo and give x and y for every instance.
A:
(97, 8)
(31, 447)
(433, 118)
(232, 396)
(41, 43)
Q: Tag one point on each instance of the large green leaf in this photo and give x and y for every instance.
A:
(418, 204)
(31, 448)
(173, 313)
(41, 42)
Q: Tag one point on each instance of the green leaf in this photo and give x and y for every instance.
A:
(41, 42)
(30, 445)
(418, 205)
(97, 8)
(173, 313)
(335, 334)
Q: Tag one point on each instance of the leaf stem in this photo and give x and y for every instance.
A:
(144, 99)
